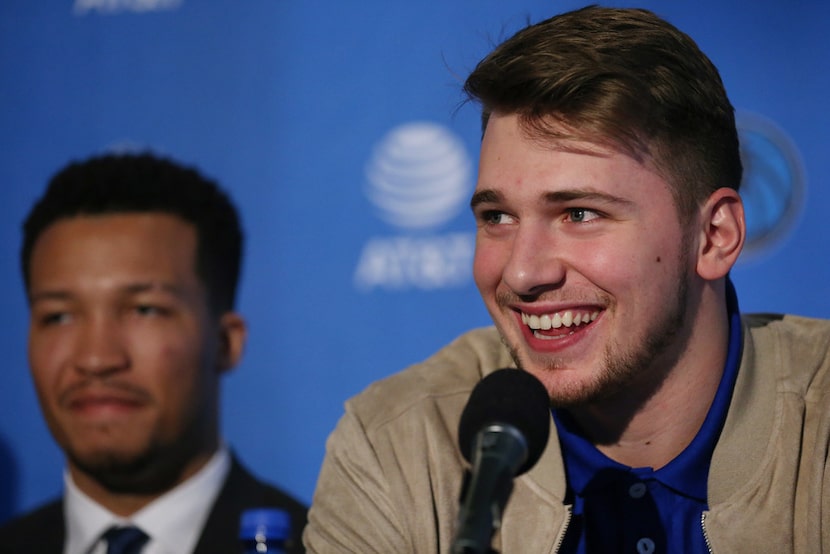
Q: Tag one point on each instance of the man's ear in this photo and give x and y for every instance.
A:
(232, 335)
(723, 231)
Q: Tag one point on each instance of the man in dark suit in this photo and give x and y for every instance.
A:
(130, 264)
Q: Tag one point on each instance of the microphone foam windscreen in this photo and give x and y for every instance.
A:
(513, 397)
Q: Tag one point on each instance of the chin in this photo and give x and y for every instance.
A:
(126, 471)
(576, 396)
(108, 459)
(569, 386)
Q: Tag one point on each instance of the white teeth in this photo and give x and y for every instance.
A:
(546, 322)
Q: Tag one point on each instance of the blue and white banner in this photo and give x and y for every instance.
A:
(341, 132)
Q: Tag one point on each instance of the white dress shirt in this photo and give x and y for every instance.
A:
(173, 521)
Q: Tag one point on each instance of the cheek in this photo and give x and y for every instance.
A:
(606, 263)
(50, 368)
(181, 363)
(47, 355)
(184, 362)
(488, 264)
(175, 376)
(640, 253)
(653, 273)
(627, 271)
(166, 361)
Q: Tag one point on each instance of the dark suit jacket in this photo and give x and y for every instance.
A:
(42, 531)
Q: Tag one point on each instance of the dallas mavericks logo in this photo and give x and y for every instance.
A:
(417, 178)
(773, 184)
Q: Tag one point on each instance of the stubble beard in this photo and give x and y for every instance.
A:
(645, 363)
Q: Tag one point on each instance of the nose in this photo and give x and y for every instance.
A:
(535, 263)
(100, 348)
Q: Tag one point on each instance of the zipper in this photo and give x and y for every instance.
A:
(558, 544)
(705, 534)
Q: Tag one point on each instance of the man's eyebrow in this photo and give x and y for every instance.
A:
(132, 288)
(569, 195)
(152, 286)
(484, 196)
(580, 194)
(169, 289)
(43, 296)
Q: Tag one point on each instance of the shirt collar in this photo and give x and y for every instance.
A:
(689, 471)
(173, 521)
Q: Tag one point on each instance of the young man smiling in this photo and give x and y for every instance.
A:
(608, 221)
(130, 264)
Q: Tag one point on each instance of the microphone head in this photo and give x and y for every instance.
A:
(513, 397)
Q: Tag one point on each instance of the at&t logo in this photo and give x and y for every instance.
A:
(419, 177)
(83, 7)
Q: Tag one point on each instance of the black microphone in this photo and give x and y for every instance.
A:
(503, 432)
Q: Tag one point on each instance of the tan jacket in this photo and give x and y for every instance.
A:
(392, 474)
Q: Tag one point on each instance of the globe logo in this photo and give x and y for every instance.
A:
(773, 183)
(111, 7)
(418, 176)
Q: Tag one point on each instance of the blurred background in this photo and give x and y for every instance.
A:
(340, 130)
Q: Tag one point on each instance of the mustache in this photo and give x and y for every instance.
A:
(102, 387)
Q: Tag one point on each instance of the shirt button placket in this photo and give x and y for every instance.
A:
(636, 491)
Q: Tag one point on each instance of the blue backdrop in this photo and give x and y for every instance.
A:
(322, 119)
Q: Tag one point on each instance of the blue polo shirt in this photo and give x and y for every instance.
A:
(617, 508)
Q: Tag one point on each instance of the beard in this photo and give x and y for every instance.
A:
(151, 471)
(143, 462)
(647, 363)
(641, 368)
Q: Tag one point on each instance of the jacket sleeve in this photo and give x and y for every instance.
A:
(825, 509)
(352, 511)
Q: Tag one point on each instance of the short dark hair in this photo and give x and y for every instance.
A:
(624, 78)
(141, 183)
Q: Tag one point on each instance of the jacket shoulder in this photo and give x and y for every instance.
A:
(451, 372)
(799, 347)
(41, 531)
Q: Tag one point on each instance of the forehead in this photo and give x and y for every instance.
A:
(94, 248)
(514, 160)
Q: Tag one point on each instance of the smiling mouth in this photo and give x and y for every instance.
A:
(558, 324)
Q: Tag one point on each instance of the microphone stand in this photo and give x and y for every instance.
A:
(499, 451)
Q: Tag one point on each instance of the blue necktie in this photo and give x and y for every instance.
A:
(125, 540)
